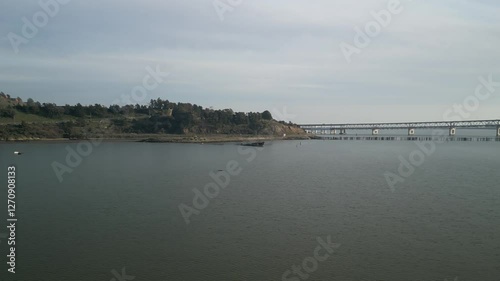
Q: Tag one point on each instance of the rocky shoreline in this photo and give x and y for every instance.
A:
(166, 138)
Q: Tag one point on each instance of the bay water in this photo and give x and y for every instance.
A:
(119, 210)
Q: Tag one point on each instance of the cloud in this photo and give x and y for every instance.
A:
(265, 53)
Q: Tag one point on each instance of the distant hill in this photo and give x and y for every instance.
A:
(32, 120)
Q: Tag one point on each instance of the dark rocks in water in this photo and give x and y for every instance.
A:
(151, 140)
(258, 144)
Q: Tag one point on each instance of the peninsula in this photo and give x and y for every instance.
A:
(159, 121)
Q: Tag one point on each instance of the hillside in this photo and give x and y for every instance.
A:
(161, 118)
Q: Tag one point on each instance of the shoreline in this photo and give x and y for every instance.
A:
(201, 139)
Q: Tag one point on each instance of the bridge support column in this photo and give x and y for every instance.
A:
(342, 131)
(453, 131)
(375, 132)
(498, 131)
(333, 132)
(411, 131)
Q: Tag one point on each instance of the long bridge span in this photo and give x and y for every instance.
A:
(451, 126)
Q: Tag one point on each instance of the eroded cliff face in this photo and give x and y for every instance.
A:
(279, 129)
(108, 129)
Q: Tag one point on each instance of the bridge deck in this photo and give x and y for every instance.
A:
(406, 125)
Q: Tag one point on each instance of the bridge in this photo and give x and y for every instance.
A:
(451, 126)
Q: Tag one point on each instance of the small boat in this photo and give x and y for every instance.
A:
(257, 144)
(17, 153)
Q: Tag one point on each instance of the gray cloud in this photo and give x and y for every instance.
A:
(264, 54)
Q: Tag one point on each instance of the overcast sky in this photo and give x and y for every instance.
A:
(281, 55)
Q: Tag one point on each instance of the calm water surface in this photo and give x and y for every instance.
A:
(120, 209)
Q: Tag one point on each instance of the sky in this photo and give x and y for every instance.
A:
(285, 56)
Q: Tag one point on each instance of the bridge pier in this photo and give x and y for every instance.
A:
(453, 131)
(452, 126)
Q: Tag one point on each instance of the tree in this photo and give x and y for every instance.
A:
(266, 115)
(78, 110)
(33, 107)
(7, 112)
(51, 110)
(114, 109)
(240, 118)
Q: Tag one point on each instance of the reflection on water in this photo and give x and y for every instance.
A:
(120, 209)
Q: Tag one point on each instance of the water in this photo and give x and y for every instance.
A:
(120, 209)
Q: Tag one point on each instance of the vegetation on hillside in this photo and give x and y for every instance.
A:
(47, 120)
